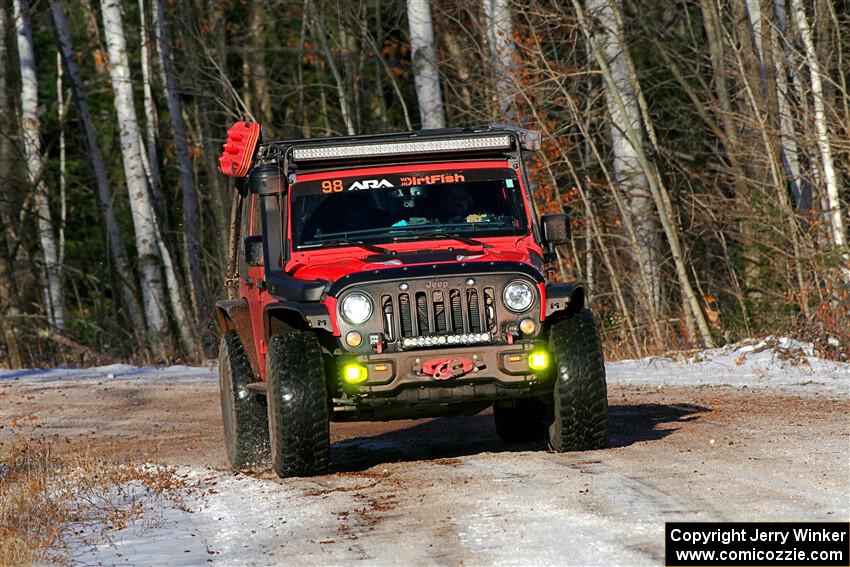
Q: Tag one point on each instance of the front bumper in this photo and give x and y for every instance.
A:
(499, 371)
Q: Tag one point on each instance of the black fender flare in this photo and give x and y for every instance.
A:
(563, 299)
(233, 314)
(283, 316)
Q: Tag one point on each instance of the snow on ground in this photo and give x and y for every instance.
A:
(772, 362)
(514, 506)
(241, 520)
(112, 372)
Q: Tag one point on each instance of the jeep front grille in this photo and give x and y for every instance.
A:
(439, 316)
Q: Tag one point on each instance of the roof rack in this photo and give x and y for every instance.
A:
(313, 152)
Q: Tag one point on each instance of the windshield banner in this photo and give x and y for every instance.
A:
(408, 179)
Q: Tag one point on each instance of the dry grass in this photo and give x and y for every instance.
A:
(48, 501)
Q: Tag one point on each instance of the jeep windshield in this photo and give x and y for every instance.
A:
(388, 208)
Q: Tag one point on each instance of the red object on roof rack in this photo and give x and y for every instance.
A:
(238, 151)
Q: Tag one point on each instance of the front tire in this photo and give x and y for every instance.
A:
(243, 413)
(296, 392)
(581, 394)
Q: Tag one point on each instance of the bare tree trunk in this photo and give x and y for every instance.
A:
(144, 216)
(321, 37)
(259, 72)
(218, 190)
(191, 207)
(630, 178)
(424, 57)
(657, 190)
(458, 60)
(55, 302)
(303, 120)
(151, 119)
(348, 46)
(8, 302)
(500, 35)
(185, 326)
(393, 81)
(101, 190)
(835, 217)
(63, 170)
(791, 156)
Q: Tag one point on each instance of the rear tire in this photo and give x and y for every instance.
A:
(581, 395)
(243, 411)
(299, 428)
(526, 421)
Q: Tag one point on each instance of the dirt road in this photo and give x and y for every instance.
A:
(447, 491)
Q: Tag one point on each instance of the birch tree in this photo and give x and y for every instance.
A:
(620, 92)
(191, 207)
(101, 190)
(500, 36)
(425, 73)
(54, 296)
(154, 257)
(629, 175)
(144, 217)
(835, 217)
(151, 119)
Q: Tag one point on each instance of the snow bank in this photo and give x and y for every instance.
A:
(113, 372)
(772, 362)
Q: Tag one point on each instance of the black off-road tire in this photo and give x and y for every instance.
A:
(296, 392)
(581, 395)
(526, 421)
(243, 411)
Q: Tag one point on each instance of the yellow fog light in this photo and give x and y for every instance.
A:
(353, 339)
(527, 326)
(538, 360)
(354, 373)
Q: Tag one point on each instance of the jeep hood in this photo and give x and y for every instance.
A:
(332, 264)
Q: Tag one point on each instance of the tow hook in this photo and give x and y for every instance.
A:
(448, 368)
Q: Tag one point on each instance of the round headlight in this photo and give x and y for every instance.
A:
(518, 296)
(357, 308)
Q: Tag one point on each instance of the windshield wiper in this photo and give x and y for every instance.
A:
(346, 242)
(437, 234)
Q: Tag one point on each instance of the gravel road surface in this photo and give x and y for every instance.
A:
(447, 491)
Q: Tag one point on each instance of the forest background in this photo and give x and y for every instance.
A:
(701, 147)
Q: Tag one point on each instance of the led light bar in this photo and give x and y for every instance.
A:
(472, 143)
(464, 339)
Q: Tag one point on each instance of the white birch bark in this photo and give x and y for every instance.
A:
(188, 190)
(500, 33)
(101, 190)
(424, 57)
(790, 155)
(144, 217)
(628, 173)
(55, 303)
(63, 199)
(175, 296)
(835, 216)
(790, 151)
(660, 195)
(151, 119)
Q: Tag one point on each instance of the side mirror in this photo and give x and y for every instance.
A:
(556, 231)
(254, 250)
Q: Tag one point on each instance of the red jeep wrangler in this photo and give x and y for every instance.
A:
(398, 276)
